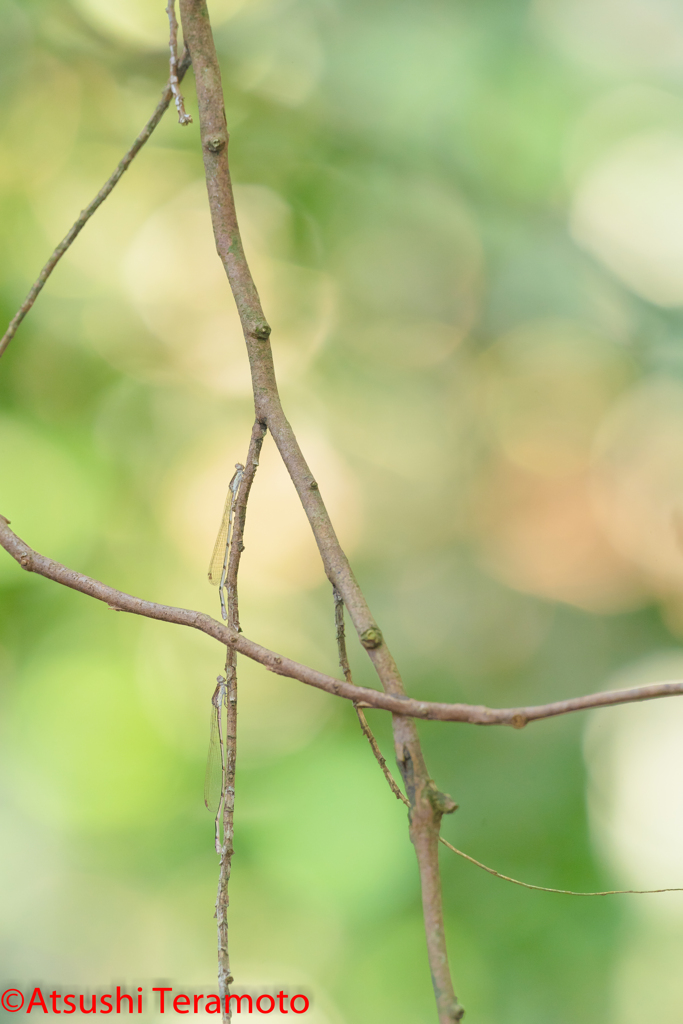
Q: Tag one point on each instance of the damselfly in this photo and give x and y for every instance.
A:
(215, 762)
(218, 568)
(215, 778)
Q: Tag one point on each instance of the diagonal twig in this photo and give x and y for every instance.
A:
(360, 714)
(374, 745)
(367, 731)
(93, 205)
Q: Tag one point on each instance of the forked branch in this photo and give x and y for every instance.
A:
(31, 561)
(426, 804)
(367, 732)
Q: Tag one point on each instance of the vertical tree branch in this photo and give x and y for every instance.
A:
(236, 548)
(226, 850)
(427, 805)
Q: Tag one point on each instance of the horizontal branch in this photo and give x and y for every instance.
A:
(475, 714)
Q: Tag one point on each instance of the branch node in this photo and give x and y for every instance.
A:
(216, 143)
(518, 721)
(441, 802)
(262, 331)
(372, 638)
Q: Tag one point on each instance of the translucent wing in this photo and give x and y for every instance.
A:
(213, 780)
(218, 556)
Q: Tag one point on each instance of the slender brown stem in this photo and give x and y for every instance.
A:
(92, 206)
(31, 561)
(474, 714)
(545, 888)
(227, 848)
(374, 746)
(426, 803)
(362, 720)
(425, 814)
(506, 878)
(341, 635)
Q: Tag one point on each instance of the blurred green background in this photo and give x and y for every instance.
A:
(466, 225)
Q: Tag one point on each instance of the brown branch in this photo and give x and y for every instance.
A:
(426, 808)
(379, 757)
(506, 878)
(173, 81)
(341, 635)
(227, 849)
(426, 804)
(87, 213)
(473, 714)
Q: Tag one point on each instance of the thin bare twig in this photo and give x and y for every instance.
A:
(87, 213)
(227, 849)
(183, 116)
(474, 714)
(544, 888)
(427, 804)
(362, 720)
(506, 878)
(341, 635)
(374, 745)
